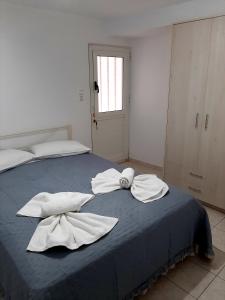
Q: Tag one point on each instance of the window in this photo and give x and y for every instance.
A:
(110, 81)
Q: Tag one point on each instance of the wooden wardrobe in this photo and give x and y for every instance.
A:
(195, 144)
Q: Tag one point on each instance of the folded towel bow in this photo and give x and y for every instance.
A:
(64, 226)
(145, 187)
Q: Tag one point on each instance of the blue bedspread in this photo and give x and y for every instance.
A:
(148, 238)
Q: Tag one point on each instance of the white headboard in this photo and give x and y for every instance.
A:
(25, 139)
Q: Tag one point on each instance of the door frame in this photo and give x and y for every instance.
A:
(114, 50)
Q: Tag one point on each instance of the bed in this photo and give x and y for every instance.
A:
(146, 242)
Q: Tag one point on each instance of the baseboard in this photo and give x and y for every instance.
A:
(157, 168)
(115, 158)
(121, 161)
(212, 206)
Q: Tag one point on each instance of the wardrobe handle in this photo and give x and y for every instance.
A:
(196, 175)
(206, 121)
(195, 190)
(196, 120)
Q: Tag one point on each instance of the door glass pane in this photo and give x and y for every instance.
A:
(110, 82)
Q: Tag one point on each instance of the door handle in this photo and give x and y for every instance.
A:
(96, 123)
(206, 121)
(196, 120)
(96, 87)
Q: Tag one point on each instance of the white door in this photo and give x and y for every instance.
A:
(109, 74)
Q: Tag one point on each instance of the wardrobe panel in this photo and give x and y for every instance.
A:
(214, 119)
(190, 55)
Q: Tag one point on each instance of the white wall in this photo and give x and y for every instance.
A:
(43, 64)
(149, 95)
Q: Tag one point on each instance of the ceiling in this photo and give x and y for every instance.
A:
(103, 9)
(133, 18)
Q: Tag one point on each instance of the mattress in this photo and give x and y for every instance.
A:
(147, 240)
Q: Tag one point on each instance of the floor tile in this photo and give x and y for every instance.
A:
(215, 291)
(213, 265)
(191, 277)
(215, 217)
(164, 289)
(222, 274)
(221, 225)
(218, 239)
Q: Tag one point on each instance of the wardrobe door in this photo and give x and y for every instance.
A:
(214, 119)
(189, 66)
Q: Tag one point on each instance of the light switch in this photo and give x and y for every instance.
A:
(81, 95)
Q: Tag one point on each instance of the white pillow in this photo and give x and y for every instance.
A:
(11, 158)
(58, 148)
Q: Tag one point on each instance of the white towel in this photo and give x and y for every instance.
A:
(64, 226)
(145, 188)
(70, 230)
(127, 177)
(106, 182)
(148, 187)
(45, 204)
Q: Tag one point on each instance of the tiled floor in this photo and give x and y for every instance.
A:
(142, 168)
(195, 278)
